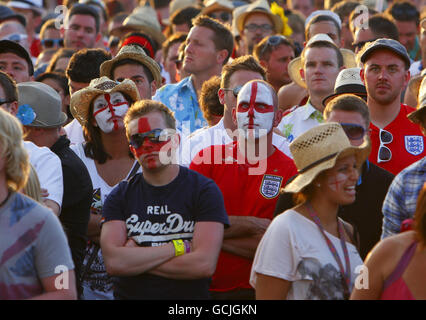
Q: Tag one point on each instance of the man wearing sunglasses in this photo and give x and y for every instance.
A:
(163, 228)
(396, 142)
(249, 183)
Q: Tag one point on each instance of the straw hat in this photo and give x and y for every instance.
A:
(142, 18)
(348, 81)
(235, 15)
(416, 116)
(39, 105)
(349, 59)
(136, 53)
(260, 6)
(317, 150)
(80, 100)
(216, 5)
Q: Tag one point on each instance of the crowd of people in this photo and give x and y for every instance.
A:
(216, 149)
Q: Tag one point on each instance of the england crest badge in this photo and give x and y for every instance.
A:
(270, 186)
(414, 144)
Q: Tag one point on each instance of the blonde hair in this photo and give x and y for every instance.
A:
(12, 149)
(32, 188)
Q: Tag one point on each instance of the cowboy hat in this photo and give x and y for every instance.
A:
(39, 105)
(295, 65)
(81, 100)
(136, 53)
(142, 18)
(259, 6)
(348, 81)
(318, 149)
(216, 5)
(416, 116)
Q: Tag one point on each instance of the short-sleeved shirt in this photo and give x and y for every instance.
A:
(182, 99)
(299, 120)
(294, 249)
(33, 246)
(245, 195)
(157, 215)
(407, 145)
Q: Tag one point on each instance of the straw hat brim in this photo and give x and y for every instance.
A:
(417, 115)
(155, 34)
(304, 179)
(106, 67)
(80, 100)
(276, 20)
(349, 61)
(216, 7)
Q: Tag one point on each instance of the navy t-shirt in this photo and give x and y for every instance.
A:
(157, 215)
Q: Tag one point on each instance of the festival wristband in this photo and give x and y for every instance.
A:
(187, 246)
(179, 247)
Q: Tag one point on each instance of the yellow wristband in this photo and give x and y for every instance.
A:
(179, 247)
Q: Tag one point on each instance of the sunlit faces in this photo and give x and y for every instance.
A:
(408, 31)
(109, 111)
(136, 73)
(80, 32)
(15, 66)
(327, 27)
(255, 109)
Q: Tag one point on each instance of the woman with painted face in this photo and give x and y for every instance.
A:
(291, 265)
(100, 108)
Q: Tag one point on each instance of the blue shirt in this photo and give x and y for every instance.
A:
(182, 99)
(401, 199)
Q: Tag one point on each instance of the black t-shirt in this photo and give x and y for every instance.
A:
(157, 215)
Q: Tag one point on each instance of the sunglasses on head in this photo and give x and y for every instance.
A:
(224, 16)
(50, 43)
(235, 91)
(154, 136)
(384, 154)
(353, 131)
(273, 41)
(361, 44)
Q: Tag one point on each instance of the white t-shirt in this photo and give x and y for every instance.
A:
(74, 132)
(216, 135)
(294, 249)
(49, 170)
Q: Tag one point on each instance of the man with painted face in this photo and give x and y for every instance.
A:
(160, 242)
(249, 172)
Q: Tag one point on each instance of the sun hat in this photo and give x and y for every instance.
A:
(9, 46)
(36, 5)
(348, 81)
(349, 59)
(142, 18)
(318, 149)
(235, 15)
(260, 6)
(216, 5)
(8, 14)
(389, 44)
(416, 116)
(81, 100)
(39, 105)
(136, 53)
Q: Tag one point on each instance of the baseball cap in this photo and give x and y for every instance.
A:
(390, 44)
(7, 46)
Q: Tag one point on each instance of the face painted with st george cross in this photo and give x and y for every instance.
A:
(255, 110)
(109, 111)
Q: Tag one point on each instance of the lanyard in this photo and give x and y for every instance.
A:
(346, 276)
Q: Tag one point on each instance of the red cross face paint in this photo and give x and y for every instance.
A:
(255, 110)
(109, 111)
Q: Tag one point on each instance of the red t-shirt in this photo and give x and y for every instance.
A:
(407, 145)
(244, 195)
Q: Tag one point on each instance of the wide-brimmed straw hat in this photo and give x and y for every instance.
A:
(216, 5)
(260, 6)
(80, 100)
(136, 53)
(142, 18)
(348, 81)
(349, 59)
(416, 116)
(318, 149)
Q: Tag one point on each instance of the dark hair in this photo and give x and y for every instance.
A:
(84, 9)
(209, 99)
(247, 62)
(174, 38)
(320, 18)
(349, 103)
(324, 44)
(9, 86)
(122, 62)
(58, 77)
(185, 15)
(383, 27)
(61, 53)
(94, 148)
(222, 37)
(263, 50)
(84, 64)
(344, 8)
(420, 216)
(404, 11)
(356, 13)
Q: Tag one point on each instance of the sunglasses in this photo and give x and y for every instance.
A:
(263, 27)
(224, 16)
(353, 131)
(50, 43)
(235, 91)
(154, 136)
(358, 46)
(384, 154)
(273, 41)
